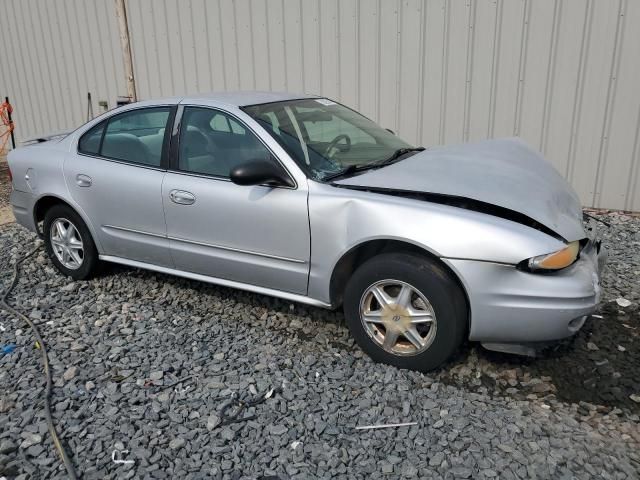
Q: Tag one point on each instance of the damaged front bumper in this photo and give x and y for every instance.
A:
(510, 307)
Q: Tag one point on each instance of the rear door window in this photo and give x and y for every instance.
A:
(136, 136)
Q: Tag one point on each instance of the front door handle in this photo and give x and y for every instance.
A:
(182, 197)
(83, 180)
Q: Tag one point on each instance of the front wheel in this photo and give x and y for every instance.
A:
(405, 310)
(69, 243)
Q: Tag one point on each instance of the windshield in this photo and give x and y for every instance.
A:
(324, 137)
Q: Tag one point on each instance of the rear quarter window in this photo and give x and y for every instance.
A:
(90, 142)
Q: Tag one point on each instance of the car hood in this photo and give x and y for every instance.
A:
(504, 173)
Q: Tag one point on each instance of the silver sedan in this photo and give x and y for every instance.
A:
(302, 198)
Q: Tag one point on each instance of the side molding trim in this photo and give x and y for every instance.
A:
(219, 281)
(209, 245)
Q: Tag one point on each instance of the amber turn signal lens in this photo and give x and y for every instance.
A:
(557, 260)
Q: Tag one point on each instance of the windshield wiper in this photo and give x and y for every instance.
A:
(397, 154)
(348, 171)
(368, 166)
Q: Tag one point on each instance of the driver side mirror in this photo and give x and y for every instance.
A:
(261, 172)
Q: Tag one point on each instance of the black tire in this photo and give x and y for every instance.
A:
(435, 283)
(90, 260)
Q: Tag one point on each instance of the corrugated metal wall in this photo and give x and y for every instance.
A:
(53, 53)
(562, 74)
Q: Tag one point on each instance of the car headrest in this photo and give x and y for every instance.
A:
(125, 146)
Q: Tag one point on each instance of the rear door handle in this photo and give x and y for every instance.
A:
(83, 180)
(181, 197)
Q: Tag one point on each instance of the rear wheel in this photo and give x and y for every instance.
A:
(405, 310)
(69, 244)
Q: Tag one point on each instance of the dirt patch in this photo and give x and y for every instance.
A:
(601, 364)
(598, 366)
(5, 191)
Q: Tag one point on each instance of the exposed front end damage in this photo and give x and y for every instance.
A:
(342, 219)
(511, 307)
(500, 176)
(482, 233)
(462, 202)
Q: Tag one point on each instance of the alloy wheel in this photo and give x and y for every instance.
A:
(398, 317)
(66, 243)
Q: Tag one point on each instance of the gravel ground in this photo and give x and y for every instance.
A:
(146, 363)
(6, 215)
(5, 186)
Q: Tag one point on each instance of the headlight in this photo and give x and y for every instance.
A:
(553, 261)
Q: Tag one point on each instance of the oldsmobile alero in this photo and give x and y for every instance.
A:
(302, 198)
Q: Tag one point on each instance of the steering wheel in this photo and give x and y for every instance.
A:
(334, 145)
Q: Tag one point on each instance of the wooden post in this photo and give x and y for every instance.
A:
(125, 44)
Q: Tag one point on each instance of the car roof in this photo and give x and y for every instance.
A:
(244, 98)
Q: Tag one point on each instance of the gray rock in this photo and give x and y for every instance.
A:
(7, 446)
(177, 443)
(278, 429)
(436, 459)
(387, 468)
(29, 439)
(70, 373)
(212, 421)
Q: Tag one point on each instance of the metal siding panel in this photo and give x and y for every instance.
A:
(612, 89)
(310, 46)
(409, 50)
(560, 73)
(58, 51)
(261, 50)
(456, 66)
(176, 69)
(618, 174)
(44, 71)
(367, 58)
(244, 32)
(329, 65)
(536, 65)
(188, 52)
(564, 97)
(143, 51)
(551, 76)
(277, 47)
(432, 72)
(111, 44)
(633, 187)
(31, 58)
(507, 67)
(348, 53)
(166, 65)
(216, 47)
(389, 64)
(293, 44)
(13, 62)
(93, 43)
(594, 100)
(201, 47)
(481, 73)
